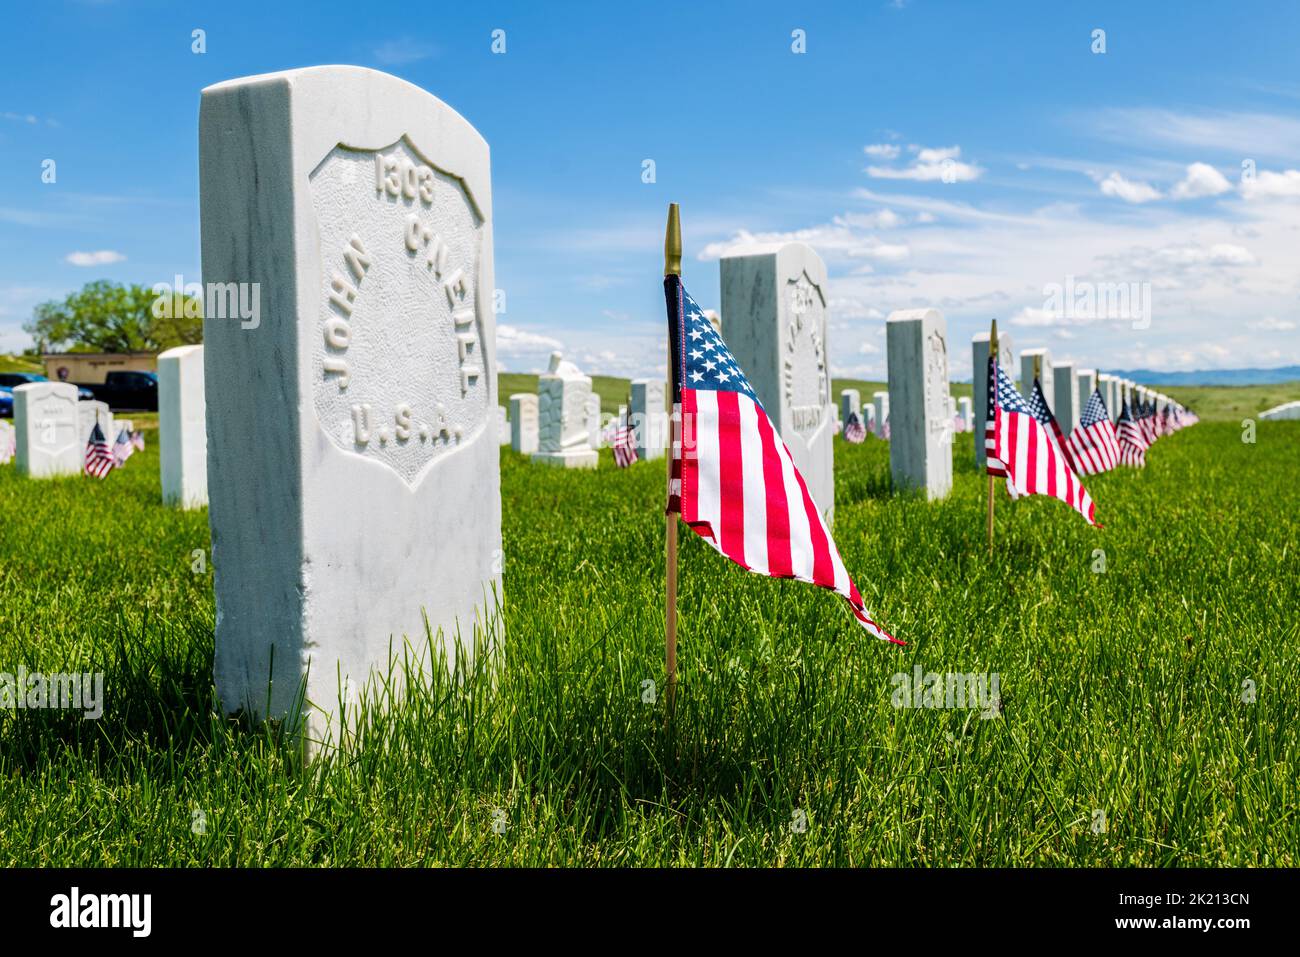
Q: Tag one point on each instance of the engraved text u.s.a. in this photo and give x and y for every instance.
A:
(398, 363)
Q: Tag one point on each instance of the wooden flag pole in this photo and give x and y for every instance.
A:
(672, 267)
(993, 354)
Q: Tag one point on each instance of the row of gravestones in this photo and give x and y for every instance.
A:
(51, 428)
(347, 442)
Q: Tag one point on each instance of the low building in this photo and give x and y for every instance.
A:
(90, 368)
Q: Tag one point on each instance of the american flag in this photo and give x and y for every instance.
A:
(1147, 419)
(122, 448)
(137, 441)
(733, 480)
(99, 460)
(1092, 444)
(1040, 410)
(854, 430)
(623, 442)
(1132, 443)
(1020, 447)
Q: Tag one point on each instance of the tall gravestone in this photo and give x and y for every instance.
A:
(503, 426)
(979, 352)
(7, 442)
(1105, 385)
(593, 420)
(1045, 378)
(562, 437)
(182, 427)
(880, 404)
(47, 424)
(353, 471)
(850, 404)
(920, 413)
(774, 299)
(1087, 385)
(523, 422)
(966, 411)
(649, 419)
(91, 412)
(1065, 404)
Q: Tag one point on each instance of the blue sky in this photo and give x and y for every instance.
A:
(964, 156)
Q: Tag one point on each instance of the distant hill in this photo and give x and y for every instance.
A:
(1212, 376)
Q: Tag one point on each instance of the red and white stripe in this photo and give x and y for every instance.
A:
(1094, 449)
(738, 488)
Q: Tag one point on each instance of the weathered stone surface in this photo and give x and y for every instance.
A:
(562, 394)
(880, 406)
(503, 426)
(1065, 405)
(920, 405)
(850, 404)
(979, 351)
(49, 442)
(1287, 410)
(649, 418)
(182, 427)
(774, 300)
(523, 422)
(1045, 377)
(352, 452)
(966, 410)
(1087, 386)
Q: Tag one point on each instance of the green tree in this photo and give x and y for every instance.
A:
(110, 317)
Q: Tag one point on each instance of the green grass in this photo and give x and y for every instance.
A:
(1121, 691)
(10, 363)
(1233, 403)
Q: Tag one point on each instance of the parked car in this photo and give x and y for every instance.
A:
(134, 391)
(6, 403)
(11, 380)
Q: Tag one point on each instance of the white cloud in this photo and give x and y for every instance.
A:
(1271, 324)
(884, 151)
(1202, 179)
(404, 50)
(1128, 190)
(837, 240)
(869, 349)
(1284, 185)
(931, 164)
(102, 257)
(511, 340)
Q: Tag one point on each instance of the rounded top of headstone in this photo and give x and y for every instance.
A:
(562, 368)
(912, 315)
(178, 352)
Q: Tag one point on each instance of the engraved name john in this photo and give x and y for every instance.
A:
(399, 366)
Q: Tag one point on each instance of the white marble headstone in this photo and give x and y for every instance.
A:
(523, 422)
(850, 403)
(562, 436)
(353, 463)
(880, 403)
(92, 411)
(1065, 405)
(503, 426)
(920, 409)
(1087, 385)
(7, 441)
(979, 351)
(966, 410)
(1045, 378)
(593, 421)
(48, 426)
(649, 418)
(182, 427)
(774, 297)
